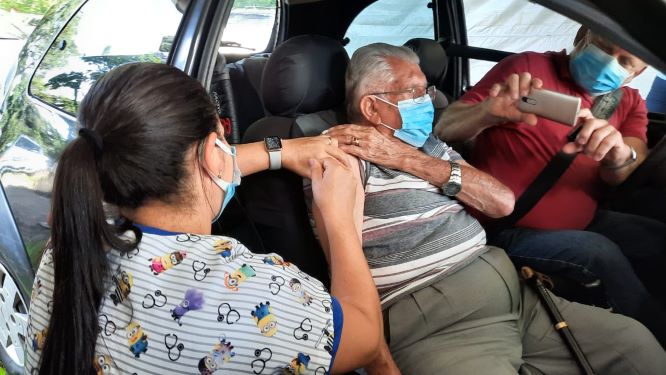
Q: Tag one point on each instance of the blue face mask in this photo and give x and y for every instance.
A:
(229, 188)
(417, 116)
(596, 71)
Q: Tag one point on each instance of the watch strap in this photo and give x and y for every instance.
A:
(274, 159)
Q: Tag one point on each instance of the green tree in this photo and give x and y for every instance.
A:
(27, 6)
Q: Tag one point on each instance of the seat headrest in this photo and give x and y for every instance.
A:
(305, 74)
(433, 58)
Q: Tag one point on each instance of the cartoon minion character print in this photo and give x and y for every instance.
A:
(275, 260)
(123, 282)
(303, 297)
(222, 352)
(265, 320)
(102, 364)
(192, 301)
(37, 289)
(38, 340)
(233, 280)
(166, 261)
(223, 248)
(298, 365)
(137, 340)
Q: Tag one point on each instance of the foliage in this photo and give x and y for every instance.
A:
(27, 6)
(254, 3)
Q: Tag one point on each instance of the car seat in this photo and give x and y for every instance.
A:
(433, 63)
(303, 76)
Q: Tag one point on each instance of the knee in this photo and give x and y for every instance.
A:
(602, 253)
(639, 346)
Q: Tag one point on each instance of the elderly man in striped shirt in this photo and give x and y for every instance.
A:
(452, 304)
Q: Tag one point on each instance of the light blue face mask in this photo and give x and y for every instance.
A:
(229, 188)
(596, 71)
(417, 116)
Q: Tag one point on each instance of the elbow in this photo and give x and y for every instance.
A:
(508, 204)
(503, 206)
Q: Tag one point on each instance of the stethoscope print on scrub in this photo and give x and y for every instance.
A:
(276, 284)
(186, 237)
(171, 342)
(259, 354)
(232, 314)
(108, 327)
(200, 270)
(150, 301)
(303, 330)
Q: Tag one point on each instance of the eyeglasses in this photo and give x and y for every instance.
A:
(418, 93)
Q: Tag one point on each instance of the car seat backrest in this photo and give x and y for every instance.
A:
(434, 63)
(302, 87)
(245, 78)
(304, 75)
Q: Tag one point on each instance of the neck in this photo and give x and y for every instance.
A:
(170, 218)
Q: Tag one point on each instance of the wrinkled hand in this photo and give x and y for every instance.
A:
(599, 140)
(296, 153)
(502, 101)
(371, 145)
(334, 189)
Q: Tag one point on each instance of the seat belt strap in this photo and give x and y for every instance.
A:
(603, 108)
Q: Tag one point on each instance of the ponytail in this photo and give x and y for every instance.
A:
(80, 235)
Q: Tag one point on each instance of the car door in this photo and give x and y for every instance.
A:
(76, 42)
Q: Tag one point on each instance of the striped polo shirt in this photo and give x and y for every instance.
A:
(199, 304)
(412, 233)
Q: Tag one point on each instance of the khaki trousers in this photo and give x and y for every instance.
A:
(483, 320)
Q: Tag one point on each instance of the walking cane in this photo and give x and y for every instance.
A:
(560, 324)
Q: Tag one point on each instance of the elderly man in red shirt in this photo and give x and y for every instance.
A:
(566, 232)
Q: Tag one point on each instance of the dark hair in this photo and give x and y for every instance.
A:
(145, 118)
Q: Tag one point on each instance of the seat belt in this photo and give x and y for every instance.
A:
(603, 108)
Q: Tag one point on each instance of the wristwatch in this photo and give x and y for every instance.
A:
(454, 185)
(274, 148)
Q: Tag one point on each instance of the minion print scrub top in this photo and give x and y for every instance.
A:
(198, 304)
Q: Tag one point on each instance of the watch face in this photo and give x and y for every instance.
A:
(452, 189)
(273, 143)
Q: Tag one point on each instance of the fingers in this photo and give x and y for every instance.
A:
(495, 90)
(588, 127)
(513, 86)
(528, 118)
(537, 83)
(572, 148)
(316, 171)
(585, 113)
(339, 154)
(524, 83)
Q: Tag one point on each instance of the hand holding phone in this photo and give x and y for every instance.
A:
(551, 105)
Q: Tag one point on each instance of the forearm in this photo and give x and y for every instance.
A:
(352, 285)
(462, 122)
(252, 157)
(480, 190)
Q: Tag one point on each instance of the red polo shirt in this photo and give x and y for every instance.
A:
(515, 153)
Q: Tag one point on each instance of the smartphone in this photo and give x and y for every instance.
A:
(551, 105)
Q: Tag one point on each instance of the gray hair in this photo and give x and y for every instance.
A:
(369, 70)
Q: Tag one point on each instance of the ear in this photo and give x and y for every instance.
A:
(212, 160)
(640, 71)
(368, 107)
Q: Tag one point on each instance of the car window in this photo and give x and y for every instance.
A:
(250, 27)
(519, 26)
(391, 21)
(103, 35)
